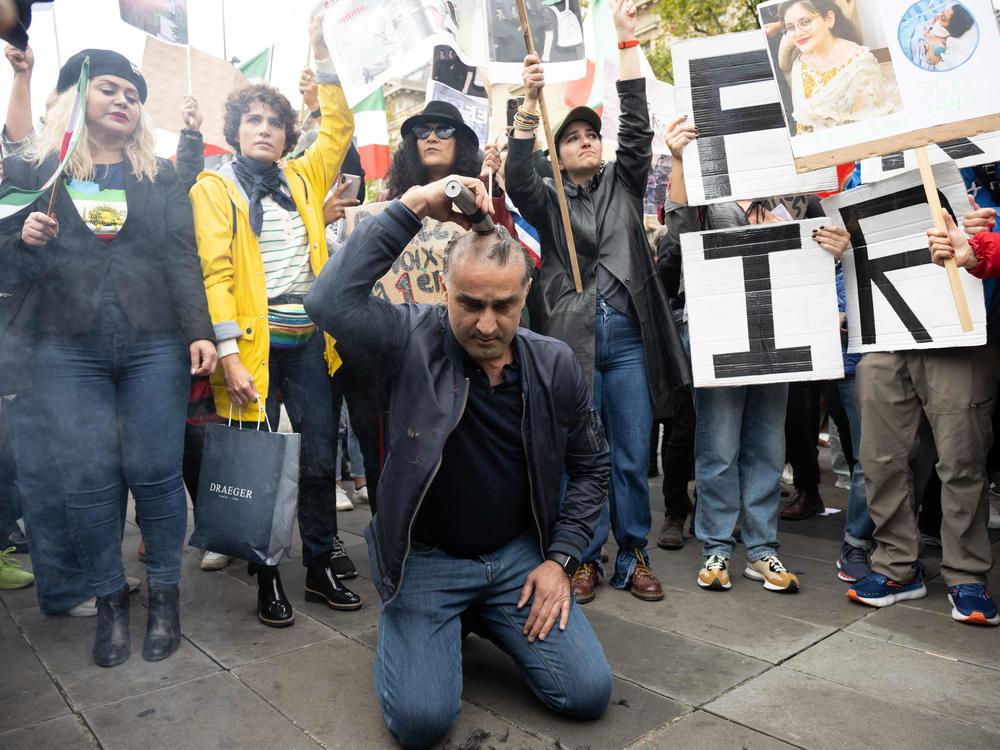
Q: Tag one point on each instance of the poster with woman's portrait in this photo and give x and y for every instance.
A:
(557, 33)
(860, 78)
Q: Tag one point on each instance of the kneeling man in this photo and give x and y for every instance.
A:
(483, 418)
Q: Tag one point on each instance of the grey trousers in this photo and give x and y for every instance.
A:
(956, 389)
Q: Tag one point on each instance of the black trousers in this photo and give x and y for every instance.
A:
(678, 454)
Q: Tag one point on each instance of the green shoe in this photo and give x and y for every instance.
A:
(11, 575)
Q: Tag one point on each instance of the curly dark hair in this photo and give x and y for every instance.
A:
(407, 169)
(238, 104)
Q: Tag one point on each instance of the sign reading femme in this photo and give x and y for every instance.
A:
(762, 305)
(725, 86)
(896, 298)
(415, 276)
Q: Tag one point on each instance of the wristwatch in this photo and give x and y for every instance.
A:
(567, 562)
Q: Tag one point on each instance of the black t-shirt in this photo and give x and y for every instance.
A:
(481, 497)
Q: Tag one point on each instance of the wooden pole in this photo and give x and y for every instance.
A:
(55, 33)
(309, 52)
(554, 158)
(934, 201)
(189, 69)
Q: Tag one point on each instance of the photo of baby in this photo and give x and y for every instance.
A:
(938, 36)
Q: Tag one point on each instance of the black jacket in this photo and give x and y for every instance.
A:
(409, 350)
(606, 217)
(152, 263)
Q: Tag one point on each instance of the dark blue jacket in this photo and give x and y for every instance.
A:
(410, 353)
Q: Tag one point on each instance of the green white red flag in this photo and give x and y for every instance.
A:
(371, 134)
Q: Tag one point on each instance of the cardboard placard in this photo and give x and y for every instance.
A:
(965, 152)
(415, 275)
(212, 80)
(725, 86)
(870, 77)
(897, 299)
(761, 305)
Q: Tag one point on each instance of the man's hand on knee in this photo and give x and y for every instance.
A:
(548, 589)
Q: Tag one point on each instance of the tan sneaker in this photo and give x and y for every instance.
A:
(714, 574)
(773, 574)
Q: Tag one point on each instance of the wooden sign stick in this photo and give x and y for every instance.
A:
(554, 158)
(934, 201)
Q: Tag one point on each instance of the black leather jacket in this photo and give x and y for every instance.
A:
(409, 350)
(606, 218)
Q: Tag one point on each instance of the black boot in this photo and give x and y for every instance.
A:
(273, 607)
(112, 645)
(322, 586)
(163, 624)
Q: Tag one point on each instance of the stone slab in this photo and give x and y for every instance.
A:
(703, 731)
(814, 713)
(65, 733)
(27, 693)
(680, 668)
(962, 691)
(348, 623)
(213, 713)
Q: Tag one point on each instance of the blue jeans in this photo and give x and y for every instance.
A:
(10, 498)
(859, 527)
(621, 398)
(418, 659)
(739, 455)
(354, 457)
(115, 400)
(61, 582)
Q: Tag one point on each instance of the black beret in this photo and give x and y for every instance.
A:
(103, 62)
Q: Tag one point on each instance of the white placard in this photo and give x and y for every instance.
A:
(869, 77)
(761, 305)
(896, 298)
(724, 84)
(556, 30)
(965, 152)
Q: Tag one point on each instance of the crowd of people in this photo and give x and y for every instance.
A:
(498, 438)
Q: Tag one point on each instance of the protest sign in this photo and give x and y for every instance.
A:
(475, 111)
(896, 298)
(762, 305)
(557, 30)
(415, 275)
(965, 152)
(725, 86)
(449, 69)
(163, 19)
(211, 78)
(870, 77)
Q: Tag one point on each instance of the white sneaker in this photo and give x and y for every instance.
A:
(88, 607)
(361, 495)
(134, 584)
(214, 560)
(343, 501)
(843, 483)
(787, 475)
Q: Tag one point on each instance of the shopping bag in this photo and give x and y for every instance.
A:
(248, 493)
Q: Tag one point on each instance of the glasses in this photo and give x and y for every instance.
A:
(444, 132)
(804, 25)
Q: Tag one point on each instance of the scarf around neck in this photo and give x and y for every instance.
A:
(258, 181)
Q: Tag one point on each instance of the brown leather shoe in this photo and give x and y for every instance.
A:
(802, 506)
(643, 584)
(583, 582)
(671, 534)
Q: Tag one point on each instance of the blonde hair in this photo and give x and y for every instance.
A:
(140, 149)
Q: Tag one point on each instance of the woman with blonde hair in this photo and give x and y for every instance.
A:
(118, 322)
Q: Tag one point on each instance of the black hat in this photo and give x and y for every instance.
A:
(587, 114)
(18, 36)
(103, 62)
(439, 112)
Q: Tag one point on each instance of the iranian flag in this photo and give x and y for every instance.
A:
(14, 199)
(371, 133)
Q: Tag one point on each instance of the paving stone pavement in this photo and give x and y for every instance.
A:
(746, 669)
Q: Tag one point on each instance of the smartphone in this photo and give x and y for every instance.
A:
(512, 104)
(352, 178)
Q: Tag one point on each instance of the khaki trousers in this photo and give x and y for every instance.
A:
(956, 389)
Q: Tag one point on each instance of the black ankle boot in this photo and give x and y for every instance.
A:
(273, 607)
(322, 586)
(112, 645)
(163, 624)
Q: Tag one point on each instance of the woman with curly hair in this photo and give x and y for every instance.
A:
(118, 321)
(260, 231)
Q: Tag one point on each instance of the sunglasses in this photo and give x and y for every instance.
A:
(444, 132)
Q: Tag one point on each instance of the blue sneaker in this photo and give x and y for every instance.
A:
(853, 563)
(877, 590)
(972, 603)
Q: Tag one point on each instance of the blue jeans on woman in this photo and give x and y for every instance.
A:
(418, 658)
(739, 454)
(621, 398)
(859, 527)
(115, 399)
